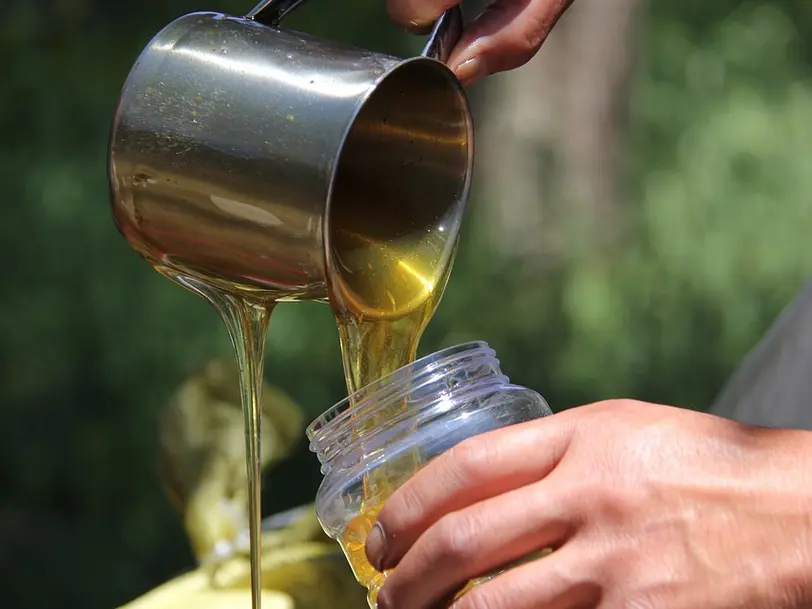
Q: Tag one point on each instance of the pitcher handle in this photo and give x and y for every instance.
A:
(445, 34)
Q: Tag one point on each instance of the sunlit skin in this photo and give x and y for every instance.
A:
(505, 36)
(646, 506)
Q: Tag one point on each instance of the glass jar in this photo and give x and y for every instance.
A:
(375, 440)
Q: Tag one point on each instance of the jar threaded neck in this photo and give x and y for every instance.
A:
(424, 386)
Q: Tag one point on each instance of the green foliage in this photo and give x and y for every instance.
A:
(724, 212)
(93, 341)
(719, 213)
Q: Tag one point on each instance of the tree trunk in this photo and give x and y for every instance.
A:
(552, 132)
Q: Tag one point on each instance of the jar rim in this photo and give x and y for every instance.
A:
(342, 410)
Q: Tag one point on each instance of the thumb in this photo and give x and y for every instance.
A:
(504, 37)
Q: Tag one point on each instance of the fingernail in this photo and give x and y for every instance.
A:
(421, 28)
(376, 547)
(470, 70)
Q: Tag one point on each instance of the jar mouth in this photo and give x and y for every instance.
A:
(392, 384)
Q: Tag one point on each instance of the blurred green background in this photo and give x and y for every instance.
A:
(641, 214)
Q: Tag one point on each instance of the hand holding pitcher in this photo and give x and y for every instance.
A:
(505, 36)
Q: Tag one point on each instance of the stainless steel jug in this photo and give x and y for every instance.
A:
(234, 142)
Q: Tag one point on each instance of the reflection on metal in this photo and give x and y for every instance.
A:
(225, 109)
(203, 468)
(773, 386)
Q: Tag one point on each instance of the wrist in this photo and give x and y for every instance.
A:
(785, 480)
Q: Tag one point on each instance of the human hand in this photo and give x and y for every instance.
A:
(645, 506)
(505, 36)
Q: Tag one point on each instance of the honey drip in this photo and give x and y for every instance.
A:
(246, 320)
(245, 218)
(390, 236)
(384, 293)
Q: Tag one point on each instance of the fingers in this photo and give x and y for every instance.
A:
(477, 469)
(417, 15)
(562, 580)
(476, 541)
(504, 37)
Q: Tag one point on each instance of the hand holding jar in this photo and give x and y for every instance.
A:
(644, 506)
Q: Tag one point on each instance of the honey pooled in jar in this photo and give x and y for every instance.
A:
(353, 543)
(384, 293)
(391, 228)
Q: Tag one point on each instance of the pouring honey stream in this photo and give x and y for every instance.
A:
(254, 165)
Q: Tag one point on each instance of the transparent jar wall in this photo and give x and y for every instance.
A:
(431, 406)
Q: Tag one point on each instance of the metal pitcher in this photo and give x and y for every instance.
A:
(234, 142)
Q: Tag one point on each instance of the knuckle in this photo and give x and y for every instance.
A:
(471, 458)
(401, 511)
(617, 503)
(523, 43)
(585, 500)
(455, 538)
(584, 578)
(609, 411)
(600, 501)
(532, 37)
